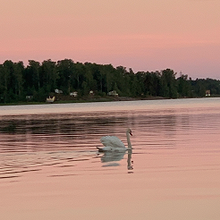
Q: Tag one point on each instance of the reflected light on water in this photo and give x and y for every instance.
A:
(50, 167)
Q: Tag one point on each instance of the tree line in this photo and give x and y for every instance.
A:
(39, 80)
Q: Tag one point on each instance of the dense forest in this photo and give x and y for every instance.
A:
(37, 81)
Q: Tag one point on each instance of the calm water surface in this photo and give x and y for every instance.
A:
(50, 168)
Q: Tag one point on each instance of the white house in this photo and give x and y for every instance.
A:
(74, 94)
(113, 93)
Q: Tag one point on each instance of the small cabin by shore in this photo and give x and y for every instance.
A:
(50, 99)
(113, 93)
(207, 93)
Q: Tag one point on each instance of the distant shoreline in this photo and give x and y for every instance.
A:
(70, 81)
(97, 99)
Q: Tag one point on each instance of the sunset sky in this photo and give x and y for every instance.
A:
(145, 35)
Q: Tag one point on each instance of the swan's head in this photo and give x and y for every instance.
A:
(129, 131)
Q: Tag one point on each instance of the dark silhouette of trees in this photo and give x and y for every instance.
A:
(184, 86)
(40, 80)
(11, 81)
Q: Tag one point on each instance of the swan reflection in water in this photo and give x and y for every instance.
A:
(114, 150)
(129, 161)
(111, 158)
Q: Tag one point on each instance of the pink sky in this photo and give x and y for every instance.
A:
(183, 35)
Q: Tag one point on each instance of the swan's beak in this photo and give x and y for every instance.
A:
(131, 133)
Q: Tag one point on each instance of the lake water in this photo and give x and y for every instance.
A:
(50, 168)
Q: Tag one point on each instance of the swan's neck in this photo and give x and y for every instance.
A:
(128, 140)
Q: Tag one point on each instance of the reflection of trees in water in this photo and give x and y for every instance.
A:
(62, 124)
(89, 126)
(156, 123)
(67, 130)
(85, 129)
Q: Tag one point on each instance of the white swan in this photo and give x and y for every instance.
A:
(114, 144)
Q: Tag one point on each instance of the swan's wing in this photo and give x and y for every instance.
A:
(112, 141)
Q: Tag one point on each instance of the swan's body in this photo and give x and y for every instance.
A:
(114, 144)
